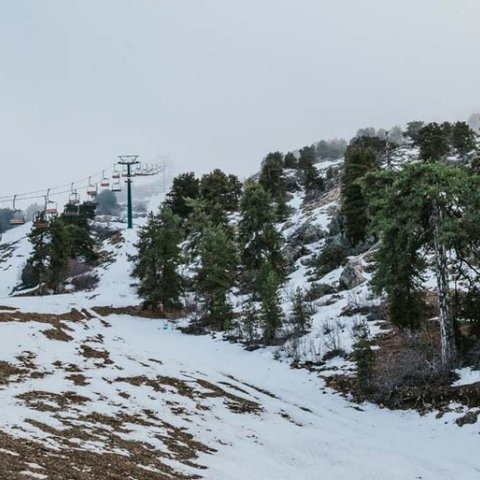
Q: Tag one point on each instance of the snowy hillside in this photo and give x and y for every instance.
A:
(93, 388)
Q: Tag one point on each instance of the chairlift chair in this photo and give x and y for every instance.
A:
(116, 186)
(92, 189)
(116, 174)
(74, 197)
(51, 207)
(40, 220)
(104, 182)
(18, 217)
(71, 210)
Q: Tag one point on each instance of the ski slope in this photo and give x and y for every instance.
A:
(119, 396)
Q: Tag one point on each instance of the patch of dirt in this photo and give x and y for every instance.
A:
(8, 309)
(78, 379)
(70, 461)
(51, 402)
(187, 389)
(89, 352)
(57, 334)
(138, 311)
(7, 370)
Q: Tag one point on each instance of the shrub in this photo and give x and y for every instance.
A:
(332, 257)
(363, 356)
(29, 276)
(86, 281)
(415, 363)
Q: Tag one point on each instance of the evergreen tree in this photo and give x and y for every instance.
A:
(78, 229)
(363, 356)
(59, 250)
(216, 274)
(362, 155)
(434, 208)
(271, 315)
(216, 188)
(107, 203)
(290, 161)
(310, 178)
(184, 186)
(434, 141)
(234, 193)
(413, 129)
(157, 260)
(463, 139)
(250, 322)
(301, 312)
(37, 264)
(258, 238)
(272, 180)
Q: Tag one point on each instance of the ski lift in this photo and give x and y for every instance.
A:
(116, 186)
(105, 182)
(73, 198)
(125, 173)
(51, 207)
(18, 217)
(71, 210)
(116, 173)
(40, 220)
(92, 189)
(138, 170)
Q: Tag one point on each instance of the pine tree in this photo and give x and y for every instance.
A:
(216, 274)
(430, 207)
(78, 229)
(463, 139)
(216, 188)
(362, 155)
(157, 260)
(272, 180)
(250, 322)
(271, 315)
(258, 238)
(363, 356)
(413, 129)
(310, 178)
(434, 141)
(59, 254)
(184, 186)
(301, 312)
(290, 161)
(37, 264)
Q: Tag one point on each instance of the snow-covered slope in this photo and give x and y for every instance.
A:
(89, 393)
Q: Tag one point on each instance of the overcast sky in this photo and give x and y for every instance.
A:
(219, 83)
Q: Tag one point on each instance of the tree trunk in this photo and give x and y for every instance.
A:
(447, 331)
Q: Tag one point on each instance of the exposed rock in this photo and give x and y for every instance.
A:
(291, 184)
(468, 419)
(308, 233)
(351, 276)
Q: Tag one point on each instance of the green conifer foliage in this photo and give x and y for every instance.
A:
(425, 208)
(362, 155)
(157, 260)
(184, 186)
(216, 274)
(272, 180)
(271, 315)
(258, 238)
(309, 176)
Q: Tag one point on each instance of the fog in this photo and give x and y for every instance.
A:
(218, 83)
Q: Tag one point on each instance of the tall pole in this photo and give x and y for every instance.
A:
(128, 161)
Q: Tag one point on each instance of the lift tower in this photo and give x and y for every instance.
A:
(128, 161)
